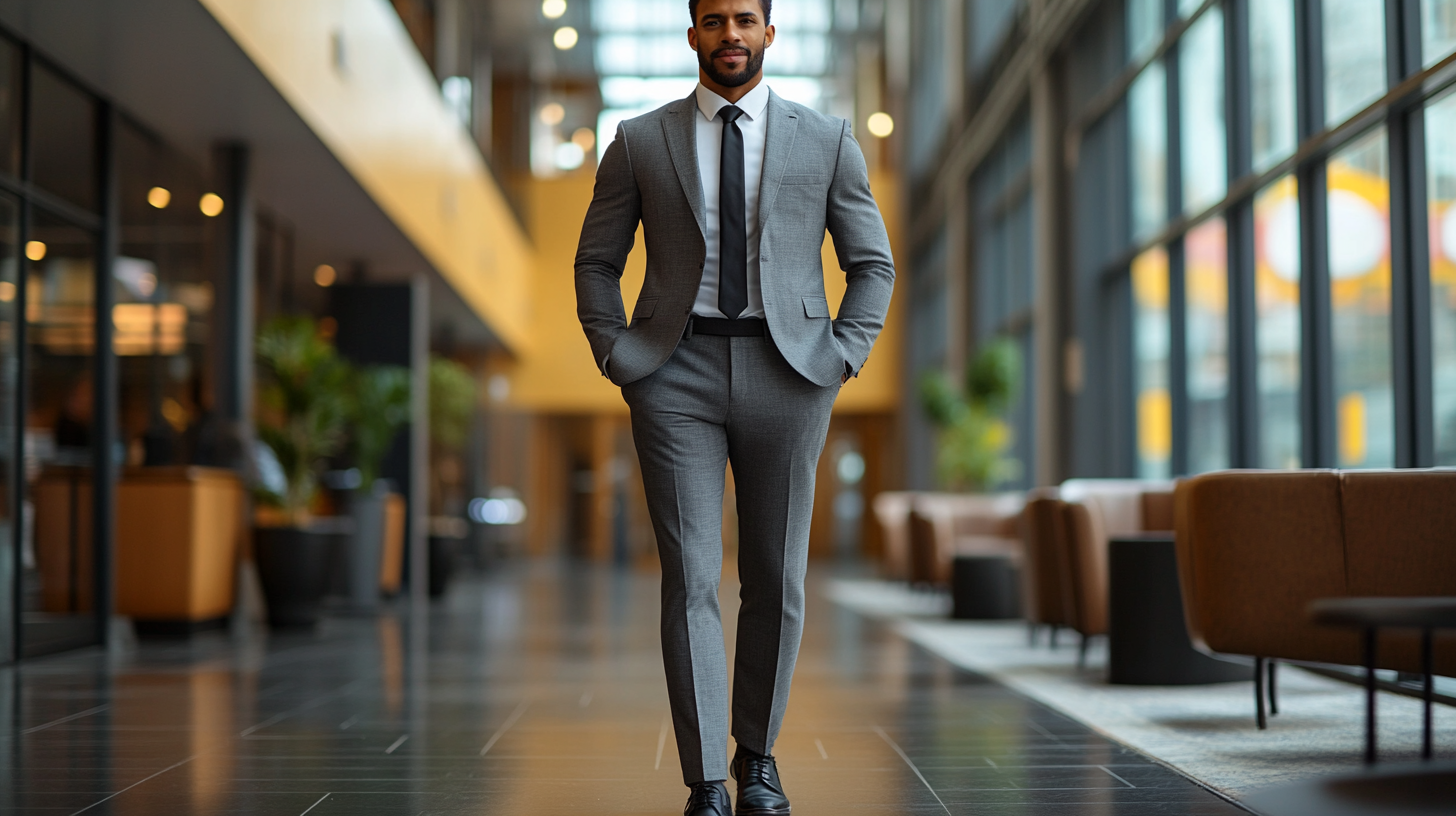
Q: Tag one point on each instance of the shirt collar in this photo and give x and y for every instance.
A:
(753, 104)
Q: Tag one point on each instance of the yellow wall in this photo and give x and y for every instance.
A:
(384, 119)
(556, 372)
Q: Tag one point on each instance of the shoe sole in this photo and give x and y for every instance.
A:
(765, 812)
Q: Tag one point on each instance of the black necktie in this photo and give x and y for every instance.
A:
(732, 210)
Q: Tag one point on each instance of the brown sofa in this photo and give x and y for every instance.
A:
(944, 525)
(1065, 532)
(1255, 547)
(892, 511)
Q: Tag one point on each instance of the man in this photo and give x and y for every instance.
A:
(731, 357)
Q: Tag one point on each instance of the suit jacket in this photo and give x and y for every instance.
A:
(813, 178)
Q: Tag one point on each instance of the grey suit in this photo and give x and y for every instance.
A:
(760, 403)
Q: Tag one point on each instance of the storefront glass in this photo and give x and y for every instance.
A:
(164, 300)
(58, 545)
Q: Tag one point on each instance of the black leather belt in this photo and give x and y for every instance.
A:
(723, 327)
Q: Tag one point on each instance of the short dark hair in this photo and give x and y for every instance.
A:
(766, 5)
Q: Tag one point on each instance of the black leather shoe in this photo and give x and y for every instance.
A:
(708, 799)
(759, 791)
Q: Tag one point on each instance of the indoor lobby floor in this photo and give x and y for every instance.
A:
(535, 690)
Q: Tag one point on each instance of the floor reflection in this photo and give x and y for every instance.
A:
(535, 690)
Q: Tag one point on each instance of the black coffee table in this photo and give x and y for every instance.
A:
(1147, 634)
(1370, 615)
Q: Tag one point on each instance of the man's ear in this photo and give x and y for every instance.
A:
(693, 38)
(768, 36)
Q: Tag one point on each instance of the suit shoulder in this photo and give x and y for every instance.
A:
(650, 119)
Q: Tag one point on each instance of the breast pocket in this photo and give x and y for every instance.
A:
(802, 178)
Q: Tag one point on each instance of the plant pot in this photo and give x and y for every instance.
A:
(293, 569)
(366, 550)
(442, 564)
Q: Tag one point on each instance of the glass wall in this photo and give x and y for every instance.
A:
(1358, 206)
(164, 299)
(1441, 206)
(1147, 103)
(1221, 188)
(1272, 105)
(1152, 351)
(1352, 278)
(1201, 112)
(1277, 323)
(1354, 49)
(1438, 30)
(1206, 287)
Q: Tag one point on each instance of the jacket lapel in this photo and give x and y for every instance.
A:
(783, 125)
(680, 128)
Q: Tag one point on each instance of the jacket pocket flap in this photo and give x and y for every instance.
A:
(644, 308)
(800, 178)
(815, 306)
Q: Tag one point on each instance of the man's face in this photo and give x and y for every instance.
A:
(730, 39)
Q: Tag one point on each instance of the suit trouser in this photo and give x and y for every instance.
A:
(721, 400)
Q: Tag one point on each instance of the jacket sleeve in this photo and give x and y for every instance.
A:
(607, 236)
(863, 248)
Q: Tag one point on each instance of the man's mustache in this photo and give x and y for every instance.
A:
(731, 51)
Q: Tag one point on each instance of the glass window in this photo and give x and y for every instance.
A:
(163, 303)
(1147, 102)
(57, 549)
(1151, 345)
(1205, 252)
(1271, 73)
(1438, 29)
(1144, 27)
(1359, 251)
(62, 138)
(1201, 108)
(10, 102)
(1277, 323)
(1354, 48)
(1441, 187)
(1187, 7)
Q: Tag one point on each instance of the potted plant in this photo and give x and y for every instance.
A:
(452, 402)
(379, 406)
(301, 399)
(973, 435)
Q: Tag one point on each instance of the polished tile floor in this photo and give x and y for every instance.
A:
(535, 690)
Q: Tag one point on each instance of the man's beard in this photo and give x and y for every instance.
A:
(733, 80)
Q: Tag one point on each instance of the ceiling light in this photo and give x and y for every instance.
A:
(211, 205)
(325, 275)
(565, 38)
(881, 125)
(35, 250)
(553, 9)
(159, 197)
(552, 113)
(584, 138)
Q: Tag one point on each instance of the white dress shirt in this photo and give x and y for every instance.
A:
(754, 125)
